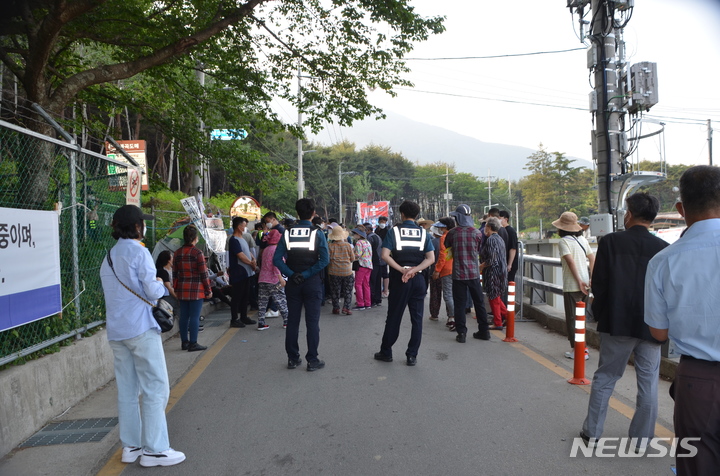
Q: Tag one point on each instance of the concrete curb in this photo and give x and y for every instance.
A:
(555, 320)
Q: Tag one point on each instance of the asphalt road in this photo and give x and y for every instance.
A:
(480, 408)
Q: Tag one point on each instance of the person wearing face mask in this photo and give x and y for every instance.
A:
(134, 337)
(363, 255)
(381, 231)
(618, 281)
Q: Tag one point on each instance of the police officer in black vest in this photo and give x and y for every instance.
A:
(301, 255)
(407, 249)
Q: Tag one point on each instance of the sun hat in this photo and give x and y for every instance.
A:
(568, 221)
(584, 221)
(337, 234)
(425, 222)
(360, 232)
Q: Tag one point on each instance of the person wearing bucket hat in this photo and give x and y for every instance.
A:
(134, 337)
(363, 255)
(465, 242)
(340, 273)
(407, 249)
(575, 253)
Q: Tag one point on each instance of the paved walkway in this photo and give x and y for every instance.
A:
(466, 409)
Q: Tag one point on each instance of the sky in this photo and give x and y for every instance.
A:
(529, 100)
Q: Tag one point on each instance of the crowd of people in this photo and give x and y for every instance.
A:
(644, 293)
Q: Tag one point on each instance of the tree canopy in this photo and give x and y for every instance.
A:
(64, 52)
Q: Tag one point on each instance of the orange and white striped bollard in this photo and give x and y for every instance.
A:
(510, 329)
(579, 361)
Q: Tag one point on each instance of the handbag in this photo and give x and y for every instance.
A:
(162, 312)
(355, 265)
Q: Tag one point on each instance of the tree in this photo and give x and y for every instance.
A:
(554, 186)
(664, 190)
(253, 47)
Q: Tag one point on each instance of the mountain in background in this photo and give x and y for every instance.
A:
(425, 144)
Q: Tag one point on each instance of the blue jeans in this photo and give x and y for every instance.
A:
(140, 370)
(190, 319)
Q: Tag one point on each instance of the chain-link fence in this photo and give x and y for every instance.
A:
(85, 188)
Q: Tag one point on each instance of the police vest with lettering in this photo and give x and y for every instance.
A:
(409, 245)
(302, 248)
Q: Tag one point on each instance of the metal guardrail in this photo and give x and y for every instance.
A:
(536, 279)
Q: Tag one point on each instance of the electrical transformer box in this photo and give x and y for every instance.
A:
(592, 101)
(592, 56)
(601, 225)
(643, 84)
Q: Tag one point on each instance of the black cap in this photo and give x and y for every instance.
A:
(130, 215)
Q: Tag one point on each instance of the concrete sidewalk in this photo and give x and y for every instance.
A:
(478, 408)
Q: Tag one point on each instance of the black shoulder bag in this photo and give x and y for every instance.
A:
(164, 318)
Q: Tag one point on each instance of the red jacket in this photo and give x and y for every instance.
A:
(190, 274)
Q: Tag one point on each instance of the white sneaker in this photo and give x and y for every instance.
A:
(571, 354)
(166, 458)
(130, 454)
(272, 314)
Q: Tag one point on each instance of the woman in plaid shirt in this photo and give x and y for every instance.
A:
(191, 283)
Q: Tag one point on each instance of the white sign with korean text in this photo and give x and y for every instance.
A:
(29, 266)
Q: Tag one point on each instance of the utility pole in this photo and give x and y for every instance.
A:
(342, 214)
(709, 123)
(618, 91)
(198, 173)
(340, 175)
(447, 191)
(301, 181)
(609, 105)
(489, 187)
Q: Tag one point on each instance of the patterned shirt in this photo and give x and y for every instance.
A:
(268, 271)
(465, 242)
(493, 256)
(341, 258)
(363, 253)
(190, 274)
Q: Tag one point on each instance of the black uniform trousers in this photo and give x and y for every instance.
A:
(410, 295)
(309, 295)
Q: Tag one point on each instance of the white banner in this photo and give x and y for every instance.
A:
(191, 207)
(29, 266)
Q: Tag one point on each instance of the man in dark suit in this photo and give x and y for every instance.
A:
(618, 281)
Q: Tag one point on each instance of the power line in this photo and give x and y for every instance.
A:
(584, 109)
(494, 56)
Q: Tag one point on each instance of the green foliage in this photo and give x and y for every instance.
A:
(554, 186)
(664, 190)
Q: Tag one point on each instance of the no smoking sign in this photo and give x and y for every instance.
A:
(133, 188)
